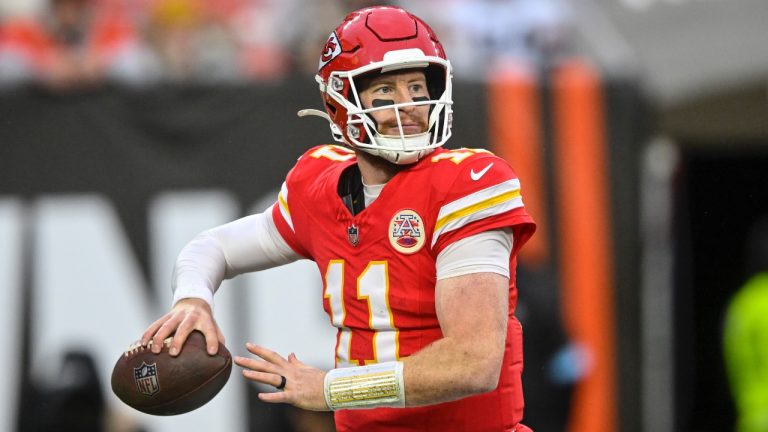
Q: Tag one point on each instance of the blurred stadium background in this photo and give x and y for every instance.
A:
(639, 128)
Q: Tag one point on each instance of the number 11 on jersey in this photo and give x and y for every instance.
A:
(372, 287)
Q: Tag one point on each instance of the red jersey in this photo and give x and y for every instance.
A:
(379, 270)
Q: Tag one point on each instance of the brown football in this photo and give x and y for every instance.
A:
(159, 384)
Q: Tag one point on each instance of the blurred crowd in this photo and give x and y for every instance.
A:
(75, 43)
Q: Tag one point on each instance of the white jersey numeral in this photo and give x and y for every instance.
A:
(334, 153)
(457, 156)
(373, 287)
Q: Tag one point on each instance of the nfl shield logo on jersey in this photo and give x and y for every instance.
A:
(146, 378)
(406, 232)
(353, 235)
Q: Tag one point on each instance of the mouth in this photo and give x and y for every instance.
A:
(408, 129)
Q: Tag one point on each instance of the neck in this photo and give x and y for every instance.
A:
(375, 170)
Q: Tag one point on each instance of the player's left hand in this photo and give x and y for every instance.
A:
(303, 383)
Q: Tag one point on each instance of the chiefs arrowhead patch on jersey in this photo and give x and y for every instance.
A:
(406, 232)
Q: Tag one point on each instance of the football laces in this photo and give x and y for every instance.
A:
(137, 346)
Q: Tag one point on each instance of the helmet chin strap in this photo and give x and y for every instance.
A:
(405, 141)
(397, 157)
(400, 157)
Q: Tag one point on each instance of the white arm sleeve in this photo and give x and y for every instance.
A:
(248, 244)
(487, 251)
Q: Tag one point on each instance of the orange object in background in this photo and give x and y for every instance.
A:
(515, 121)
(584, 232)
(582, 229)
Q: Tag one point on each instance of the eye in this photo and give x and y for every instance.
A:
(418, 89)
(383, 90)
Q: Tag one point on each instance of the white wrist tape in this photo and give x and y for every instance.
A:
(377, 385)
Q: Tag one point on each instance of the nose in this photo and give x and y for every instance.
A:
(403, 95)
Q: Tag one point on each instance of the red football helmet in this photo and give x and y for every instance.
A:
(379, 40)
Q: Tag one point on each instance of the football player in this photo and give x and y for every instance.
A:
(416, 245)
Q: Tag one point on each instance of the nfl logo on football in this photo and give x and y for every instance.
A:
(146, 378)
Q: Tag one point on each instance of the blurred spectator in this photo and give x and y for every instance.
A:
(79, 43)
(548, 389)
(260, 27)
(477, 34)
(192, 42)
(75, 402)
(746, 337)
(71, 400)
(308, 31)
(305, 28)
(72, 43)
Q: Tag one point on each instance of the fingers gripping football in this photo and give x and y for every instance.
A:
(186, 316)
(303, 383)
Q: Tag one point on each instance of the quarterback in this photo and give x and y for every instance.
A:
(416, 245)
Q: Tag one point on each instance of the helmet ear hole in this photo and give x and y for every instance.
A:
(435, 80)
(362, 82)
(330, 107)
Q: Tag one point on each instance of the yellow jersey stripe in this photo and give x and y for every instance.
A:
(482, 205)
(283, 203)
(282, 199)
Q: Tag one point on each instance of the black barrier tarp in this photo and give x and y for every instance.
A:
(132, 144)
(242, 138)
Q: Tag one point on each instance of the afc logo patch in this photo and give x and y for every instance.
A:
(406, 232)
(331, 50)
(146, 379)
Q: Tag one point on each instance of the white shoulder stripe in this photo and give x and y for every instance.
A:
(485, 203)
(282, 199)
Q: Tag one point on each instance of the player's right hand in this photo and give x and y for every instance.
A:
(186, 316)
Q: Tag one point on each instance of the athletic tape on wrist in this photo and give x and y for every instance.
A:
(377, 385)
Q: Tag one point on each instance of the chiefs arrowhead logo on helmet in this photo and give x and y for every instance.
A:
(331, 49)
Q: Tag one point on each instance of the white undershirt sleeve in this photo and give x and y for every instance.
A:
(485, 252)
(245, 245)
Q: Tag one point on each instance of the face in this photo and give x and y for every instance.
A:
(394, 88)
